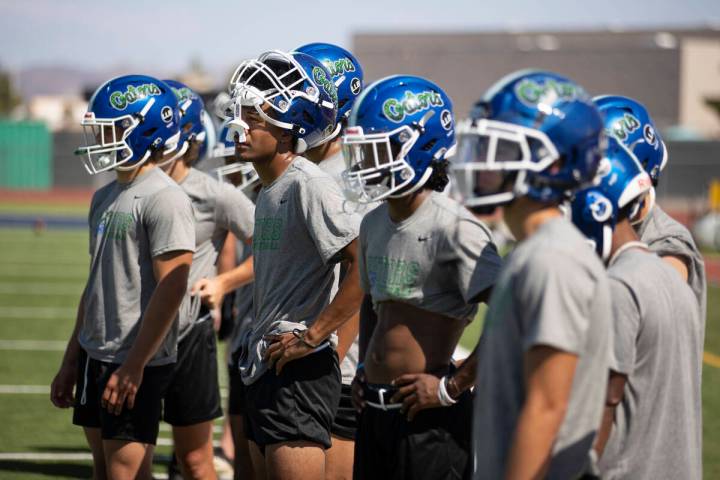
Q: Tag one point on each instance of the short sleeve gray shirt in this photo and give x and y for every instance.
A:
(552, 291)
(219, 208)
(300, 229)
(666, 236)
(130, 224)
(439, 259)
(657, 431)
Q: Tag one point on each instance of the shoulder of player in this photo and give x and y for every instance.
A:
(668, 227)
(450, 215)
(308, 172)
(373, 217)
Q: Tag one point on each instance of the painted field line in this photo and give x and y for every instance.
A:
(48, 457)
(31, 288)
(461, 353)
(38, 312)
(25, 389)
(33, 345)
(45, 271)
(711, 359)
(65, 456)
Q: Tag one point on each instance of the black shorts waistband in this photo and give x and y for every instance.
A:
(377, 395)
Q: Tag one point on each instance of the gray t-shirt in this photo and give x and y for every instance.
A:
(130, 224)
(300, 229)
(553, 291)
(243, 306)
(334, 166)
(666, 236)
(438, 259)
(657, 432)
(219, 208)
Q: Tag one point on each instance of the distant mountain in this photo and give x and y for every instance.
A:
(57, 80)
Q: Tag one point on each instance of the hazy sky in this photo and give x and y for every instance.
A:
(164, 34)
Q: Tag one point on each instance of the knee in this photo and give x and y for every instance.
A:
(197, 463)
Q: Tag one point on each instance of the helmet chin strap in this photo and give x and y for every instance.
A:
(136, 164)
(650, 199)
(167, 164)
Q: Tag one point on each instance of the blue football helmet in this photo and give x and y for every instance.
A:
(241, 174)
(400, 131)
(297, 88)
(629, 122)
(534, 134)
(193, 116)
(622, 185)
(345, 71)
(127, 119)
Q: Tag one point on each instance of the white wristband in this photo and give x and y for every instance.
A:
(445, 399)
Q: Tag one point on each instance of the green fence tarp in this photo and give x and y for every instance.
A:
(25, 155)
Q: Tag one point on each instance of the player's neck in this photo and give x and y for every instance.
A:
(402, 208)
(178, 170)
(273, 169)
(324, 151)
(127, 176)
(623, 235)
(525, 216)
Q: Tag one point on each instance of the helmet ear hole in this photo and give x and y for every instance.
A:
(149, 132)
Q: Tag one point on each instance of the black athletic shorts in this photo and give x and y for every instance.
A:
(435, 445)
(236, 398)
(193, 395)
(299, 404)
(345, 423)
(139, 424)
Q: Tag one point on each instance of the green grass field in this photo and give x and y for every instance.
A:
(41, 277)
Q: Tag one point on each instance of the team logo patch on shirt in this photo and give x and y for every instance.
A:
(114, 225)
(393, 276)
(268, 232)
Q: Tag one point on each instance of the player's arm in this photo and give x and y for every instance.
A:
(226, 259)
(615, 393)
(548, 378)
(61, 390)
(342, 308)
(235, 213)
(678, 263)
(171, 271)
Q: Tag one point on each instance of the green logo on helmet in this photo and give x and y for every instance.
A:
(339, 66)
(183, 93)
(531, 92)
(120, 100)
(321, 80)
(622, 128)
(396, 110)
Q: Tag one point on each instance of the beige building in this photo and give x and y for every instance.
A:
(672, 72)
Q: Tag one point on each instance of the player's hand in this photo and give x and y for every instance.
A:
(358, 398)
(210, 291)
(61, 389)
(418, 391)
(121, 387)
(284, 348)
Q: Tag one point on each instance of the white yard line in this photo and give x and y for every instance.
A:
(33, 345)
(30, 288)
(63, 313)
(49, 457)
(25, 389)
(461, 353)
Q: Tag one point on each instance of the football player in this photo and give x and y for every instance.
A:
(286, 103)
(219, 209)
(629, 122)
(122, 351)
(347, 75)
(242, 175)
(652, 425)
(424, 263)
(533, 139)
